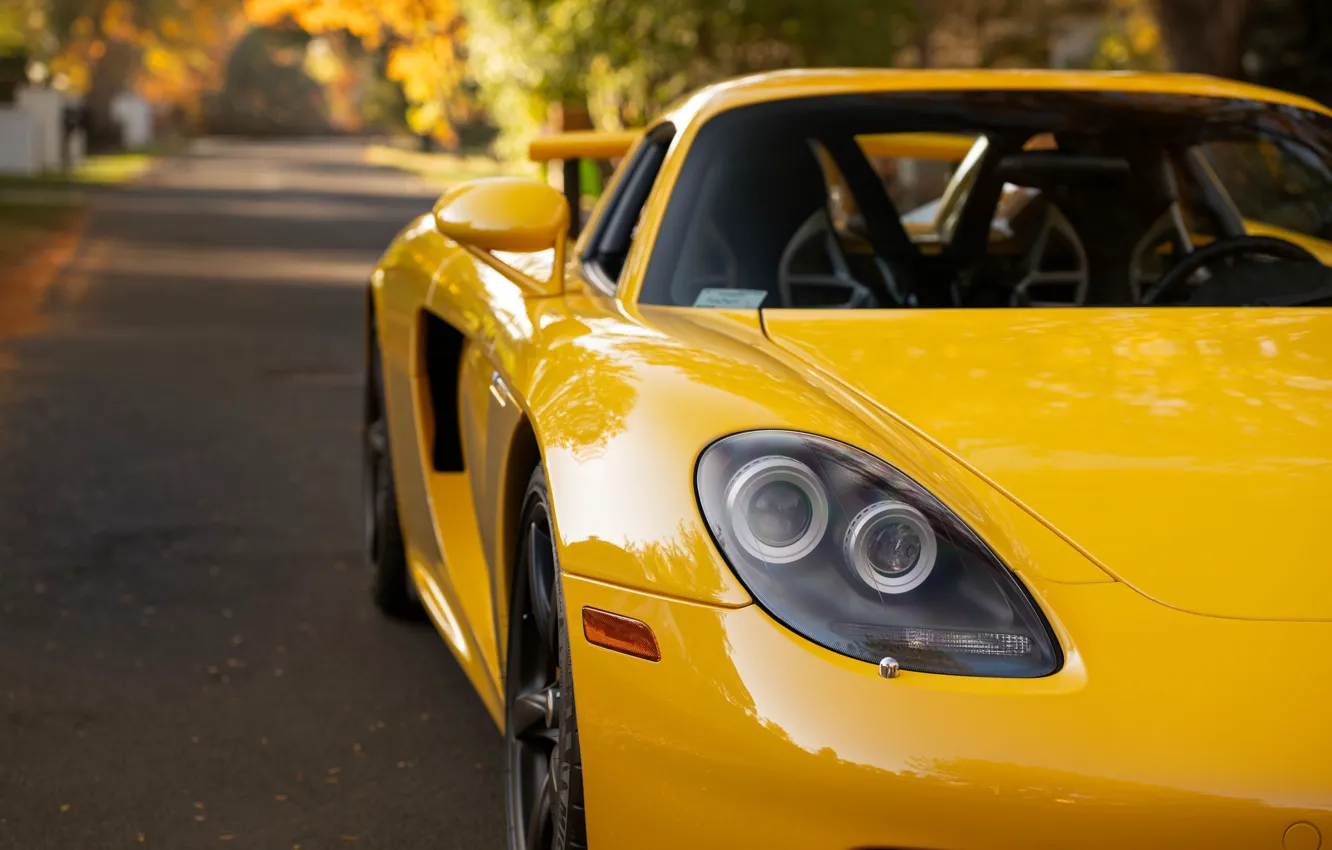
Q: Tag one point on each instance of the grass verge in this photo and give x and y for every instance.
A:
(36, 241)
(96, 170)
(25, 227)
(41, 222)
(111, 168)
(35, 210)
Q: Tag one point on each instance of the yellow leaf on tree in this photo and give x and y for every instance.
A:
(426, 54)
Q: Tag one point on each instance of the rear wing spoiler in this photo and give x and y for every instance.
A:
(943, 147)
(573, 149)
(596, 144)
(576, 147)
(582, 144)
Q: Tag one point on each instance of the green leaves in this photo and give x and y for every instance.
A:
(624, 61)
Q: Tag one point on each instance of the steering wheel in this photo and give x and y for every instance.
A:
(818, 227)
(1227, 252)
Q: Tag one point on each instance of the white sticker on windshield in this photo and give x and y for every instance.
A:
(735, 299)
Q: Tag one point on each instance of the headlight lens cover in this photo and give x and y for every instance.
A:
(849, 552)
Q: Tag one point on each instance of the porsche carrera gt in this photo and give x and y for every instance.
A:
(888, 459)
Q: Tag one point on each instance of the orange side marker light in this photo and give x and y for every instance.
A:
(632, 637)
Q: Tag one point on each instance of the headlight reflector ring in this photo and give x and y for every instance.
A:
(778, 508)
(891, 546)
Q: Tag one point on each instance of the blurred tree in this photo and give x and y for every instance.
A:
(23, 28)
(22, 31)
(1281, 43)
(422, 37)
(923, 21)
(1002, 33)
(617, 62)
(339, 64)
(1130, 38)
(170, 50)
(1204, 36)
(267, 89)
(383, 105)
(1288, 44)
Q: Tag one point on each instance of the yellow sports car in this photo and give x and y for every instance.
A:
(763, 513)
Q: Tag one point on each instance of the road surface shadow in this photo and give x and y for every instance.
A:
(188, 653)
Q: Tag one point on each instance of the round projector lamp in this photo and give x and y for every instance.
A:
(891, 546)
(778, 509)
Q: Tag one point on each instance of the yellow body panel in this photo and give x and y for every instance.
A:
(1188, 415)
(937, 146)
(503, 214)
(784, 85)
(582, 144)
(1069, 440)
(1320, 248)
(1162, 730)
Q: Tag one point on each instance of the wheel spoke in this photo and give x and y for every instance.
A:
(545, 737)
(535, 710)
(541, 585)
(553, 773)
(552, 631)
(376, 438)
(539, 815)
(533, 679)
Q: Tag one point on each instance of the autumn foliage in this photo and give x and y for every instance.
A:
(524, 64)
(423, 39)
(181, 46)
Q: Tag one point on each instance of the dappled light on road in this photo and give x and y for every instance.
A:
(189, 655)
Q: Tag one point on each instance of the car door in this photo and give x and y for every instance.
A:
(403, 282)
(488, 413)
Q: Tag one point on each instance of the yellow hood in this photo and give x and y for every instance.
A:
(1188, 451)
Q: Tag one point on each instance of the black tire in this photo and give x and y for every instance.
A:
(391, 586)
(544, 788)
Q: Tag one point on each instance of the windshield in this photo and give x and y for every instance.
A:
(1000, 199)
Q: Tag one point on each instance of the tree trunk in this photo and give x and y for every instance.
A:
(13, 73)
(924, 31)
(1203, 36)
(112, 74)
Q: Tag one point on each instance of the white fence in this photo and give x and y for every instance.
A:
(20, 142)
(47, 108)
(33, 138)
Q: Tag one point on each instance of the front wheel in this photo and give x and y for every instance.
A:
(545, 768)
(392, 587)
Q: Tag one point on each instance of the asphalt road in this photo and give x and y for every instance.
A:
(188, 653)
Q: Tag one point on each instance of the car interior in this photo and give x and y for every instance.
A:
(1061, 216)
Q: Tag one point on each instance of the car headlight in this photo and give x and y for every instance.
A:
(852, 554)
